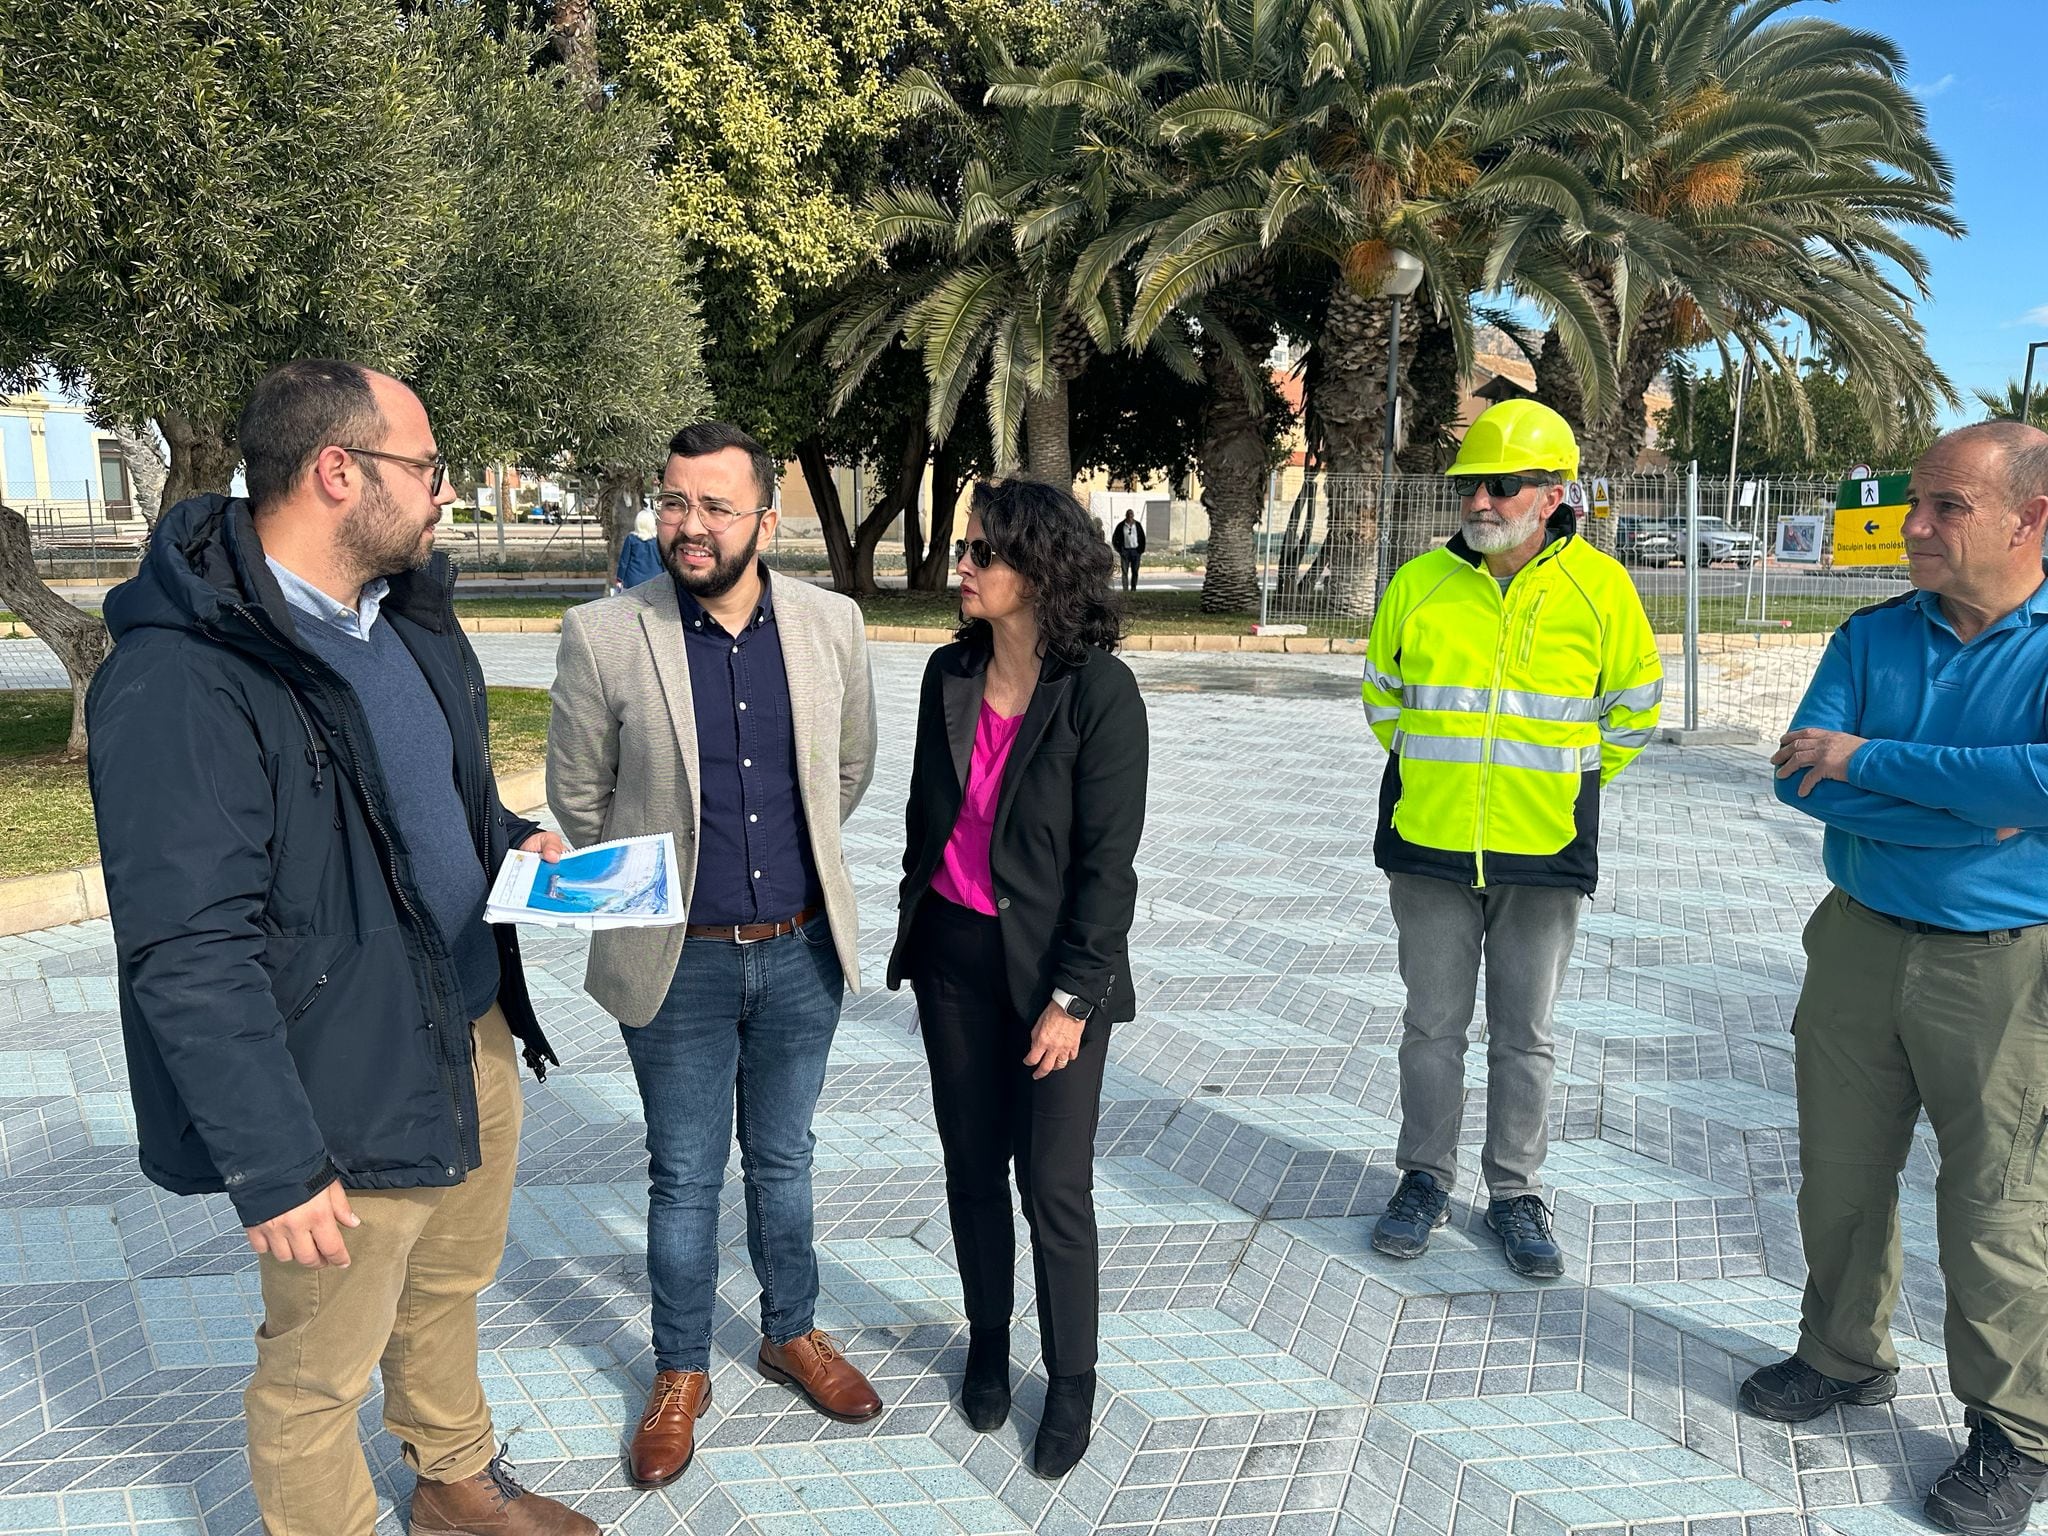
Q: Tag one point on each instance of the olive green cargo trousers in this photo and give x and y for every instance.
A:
(1889, 1022)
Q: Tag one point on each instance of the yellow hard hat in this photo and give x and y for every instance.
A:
(1517, 435)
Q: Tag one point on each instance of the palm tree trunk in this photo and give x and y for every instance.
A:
(1234, 470)
(1046, 453)
(1558, 386)
(1350, 404)
(1418, 511)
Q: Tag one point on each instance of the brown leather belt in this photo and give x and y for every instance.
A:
(749, 933)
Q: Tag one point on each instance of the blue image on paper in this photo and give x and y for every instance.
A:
(632, 879)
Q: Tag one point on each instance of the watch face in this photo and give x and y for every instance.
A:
(1077, 1009)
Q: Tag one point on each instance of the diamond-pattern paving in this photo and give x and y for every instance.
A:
(1265, 1373)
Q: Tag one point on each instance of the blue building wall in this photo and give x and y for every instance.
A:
(70, 446)
(20, 463)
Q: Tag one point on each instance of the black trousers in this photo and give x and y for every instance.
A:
(991, 1115)
(1131, 559)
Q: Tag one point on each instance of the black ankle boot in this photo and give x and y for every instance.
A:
(1068, 1422)
(985, 1394)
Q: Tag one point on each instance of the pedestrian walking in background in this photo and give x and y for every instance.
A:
(299, 826)
(1510, 675)
(733, 708)
(1922, 747)
(1130, 547)
(639, 555)
(1027, 801)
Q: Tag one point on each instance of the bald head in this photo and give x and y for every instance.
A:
(2020, 453)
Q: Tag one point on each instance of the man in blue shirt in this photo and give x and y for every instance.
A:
(1922, 745)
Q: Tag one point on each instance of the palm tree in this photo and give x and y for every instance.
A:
(1783, 161)
(1317, 138)
(984, 272)
(2004, 405)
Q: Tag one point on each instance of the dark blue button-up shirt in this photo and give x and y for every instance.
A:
(754, 861)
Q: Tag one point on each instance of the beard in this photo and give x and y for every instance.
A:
(726, 569)
(379, 538)
(1498, 535)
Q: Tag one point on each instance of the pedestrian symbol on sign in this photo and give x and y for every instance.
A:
(1871, 494)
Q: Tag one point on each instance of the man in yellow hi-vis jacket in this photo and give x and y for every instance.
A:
(1510, 675)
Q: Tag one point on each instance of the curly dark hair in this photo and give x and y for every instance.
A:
(1053, 542)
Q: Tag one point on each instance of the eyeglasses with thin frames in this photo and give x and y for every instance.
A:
(437, 464)
(977, 550)
(716, 516)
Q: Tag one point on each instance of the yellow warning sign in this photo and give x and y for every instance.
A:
(1869, 521)
(1870, 536)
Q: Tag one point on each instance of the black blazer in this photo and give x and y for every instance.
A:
(1116, 538)
(1067, 823)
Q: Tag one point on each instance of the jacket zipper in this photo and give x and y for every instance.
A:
(1500, 662)
(1529, 628)
(479, 710)
(385, 843)
(297, 1013)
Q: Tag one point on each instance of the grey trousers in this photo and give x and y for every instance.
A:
(1525, 933)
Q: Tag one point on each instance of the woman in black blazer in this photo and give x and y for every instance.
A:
(1027, 798)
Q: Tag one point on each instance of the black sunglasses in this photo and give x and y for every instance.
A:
(975, 549)
(1499, 487)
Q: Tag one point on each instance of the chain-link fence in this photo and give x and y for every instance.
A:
(1759, 565)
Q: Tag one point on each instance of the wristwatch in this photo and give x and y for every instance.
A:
(1074, 1007)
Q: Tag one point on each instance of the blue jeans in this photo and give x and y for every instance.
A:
(750, 1024)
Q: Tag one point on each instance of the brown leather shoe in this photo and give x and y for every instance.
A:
(491, 1504)
(667, 1436)
(813, 1365)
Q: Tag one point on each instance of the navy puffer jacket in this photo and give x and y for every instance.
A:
(290, 1012)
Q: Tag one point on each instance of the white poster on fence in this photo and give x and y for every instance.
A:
(1799, 539)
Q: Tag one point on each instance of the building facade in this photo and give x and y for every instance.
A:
(57, 467)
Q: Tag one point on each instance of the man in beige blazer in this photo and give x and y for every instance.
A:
(733, 708)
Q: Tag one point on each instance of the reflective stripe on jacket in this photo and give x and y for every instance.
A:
(1503, 713)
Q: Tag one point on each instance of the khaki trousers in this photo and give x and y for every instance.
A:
(1890, 1022)
(406, 1303)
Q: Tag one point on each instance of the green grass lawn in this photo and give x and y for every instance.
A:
(1157, 612)
(512, 607)
(46, 812)
(1723, 615)
(1150, 613)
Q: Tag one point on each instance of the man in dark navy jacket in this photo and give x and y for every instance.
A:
(299, 826)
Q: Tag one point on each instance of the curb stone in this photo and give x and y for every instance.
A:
(77, 895)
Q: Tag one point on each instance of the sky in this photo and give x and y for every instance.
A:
(1977, 64)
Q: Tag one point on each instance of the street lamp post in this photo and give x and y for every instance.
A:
(2027, 386)
(1403, 276)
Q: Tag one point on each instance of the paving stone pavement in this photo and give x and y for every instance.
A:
(1264, 1371)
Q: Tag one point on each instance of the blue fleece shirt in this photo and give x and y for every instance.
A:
(1957, 747)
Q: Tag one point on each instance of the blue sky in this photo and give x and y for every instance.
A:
(1978, 66)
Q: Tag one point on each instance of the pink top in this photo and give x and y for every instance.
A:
(963, 876)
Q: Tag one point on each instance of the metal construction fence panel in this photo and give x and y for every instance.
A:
(1769, 590)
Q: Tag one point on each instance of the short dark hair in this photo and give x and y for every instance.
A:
(297, 409)
(705, 437)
